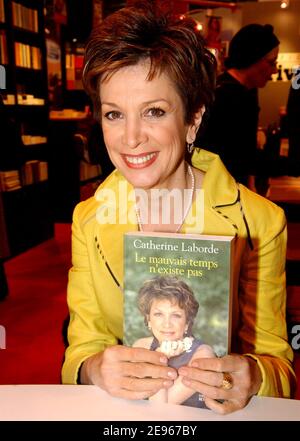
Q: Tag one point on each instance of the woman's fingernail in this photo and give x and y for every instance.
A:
(183, 372)
(167, 383)
(163, 360)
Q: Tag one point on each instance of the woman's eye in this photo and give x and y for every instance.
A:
(155, 112)
(157, 314)
(177, 316)
(113, 115)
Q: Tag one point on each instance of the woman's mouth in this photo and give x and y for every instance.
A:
(167, 335)
(140, 161)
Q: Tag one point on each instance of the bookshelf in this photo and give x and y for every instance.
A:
(72, 65)
(74, 56)
(24, 188)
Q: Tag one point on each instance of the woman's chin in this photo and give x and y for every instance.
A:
(141, 182)
(168, 337)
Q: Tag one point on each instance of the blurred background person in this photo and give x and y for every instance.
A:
(251, 61)
(293, 123)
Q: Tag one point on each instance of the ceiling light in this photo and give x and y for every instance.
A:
(284, 4)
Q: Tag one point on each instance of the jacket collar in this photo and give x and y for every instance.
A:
(220, 188)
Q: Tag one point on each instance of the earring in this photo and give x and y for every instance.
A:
(149, 327)
(190, 147)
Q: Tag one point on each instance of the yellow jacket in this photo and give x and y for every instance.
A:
(259, 298)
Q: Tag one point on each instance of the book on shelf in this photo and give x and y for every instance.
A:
(29, 100)
(74, 64)
(2, 12)
(3, 48)
(34, 171)
(42, 173)
(28, 56)
(9, 180)
(25, 18)
(177, 300)
(33, 140)
(9, 99)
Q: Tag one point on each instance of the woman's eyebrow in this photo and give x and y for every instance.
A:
(107, 103)
(155, 101)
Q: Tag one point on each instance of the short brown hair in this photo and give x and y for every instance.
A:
(171, 43)
(168, 288)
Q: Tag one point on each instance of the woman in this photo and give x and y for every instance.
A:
(151, 78)
(169, 309)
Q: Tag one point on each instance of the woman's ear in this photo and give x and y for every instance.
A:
(194, 127)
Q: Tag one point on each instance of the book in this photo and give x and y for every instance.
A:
(24, 18)
(2, 12)
(178, 296)
(3, 49)
(9, 180)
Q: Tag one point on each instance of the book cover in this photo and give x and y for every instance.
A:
(177, 299)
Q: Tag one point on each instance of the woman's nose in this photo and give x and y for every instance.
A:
(167, 321)
(133, 134)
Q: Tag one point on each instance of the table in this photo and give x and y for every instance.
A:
(90, 403)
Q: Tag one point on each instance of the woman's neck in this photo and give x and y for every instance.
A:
(164, 209)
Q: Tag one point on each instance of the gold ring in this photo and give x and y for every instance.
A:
(227, 382)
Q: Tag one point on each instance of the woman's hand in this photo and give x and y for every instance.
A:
(205, 375)
(131, 373)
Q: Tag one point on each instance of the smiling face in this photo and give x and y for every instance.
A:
(167, 320)
(143, 127)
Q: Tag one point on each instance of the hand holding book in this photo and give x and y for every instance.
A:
(132, 373)
(206, 375)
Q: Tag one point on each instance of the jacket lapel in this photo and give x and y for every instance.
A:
(118, 217)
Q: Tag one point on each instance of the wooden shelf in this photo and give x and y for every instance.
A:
(29, 69)
(27, 210)
(23, 30)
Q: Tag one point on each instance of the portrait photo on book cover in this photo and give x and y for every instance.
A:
(177, 297)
